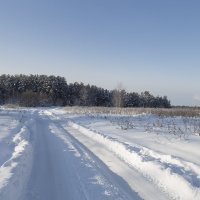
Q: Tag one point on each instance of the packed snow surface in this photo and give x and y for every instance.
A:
(51, 154)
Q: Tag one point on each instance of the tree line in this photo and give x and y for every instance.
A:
(43, 90)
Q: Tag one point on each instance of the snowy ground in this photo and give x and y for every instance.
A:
(55, 155)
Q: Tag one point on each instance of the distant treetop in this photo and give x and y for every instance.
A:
(43, 90)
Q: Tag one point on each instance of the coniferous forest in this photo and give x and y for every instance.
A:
(43, 90)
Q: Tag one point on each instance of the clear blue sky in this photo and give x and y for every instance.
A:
(144, 44)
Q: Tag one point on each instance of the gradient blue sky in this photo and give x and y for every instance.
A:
(144, 44)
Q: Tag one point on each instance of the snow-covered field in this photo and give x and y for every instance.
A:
(53, 154)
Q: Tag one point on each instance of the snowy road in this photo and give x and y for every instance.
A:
(64, 169)
(56, 158)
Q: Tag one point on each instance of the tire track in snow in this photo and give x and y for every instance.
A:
(137, 182)
(101, 176)
(64, 169)
(163, 170)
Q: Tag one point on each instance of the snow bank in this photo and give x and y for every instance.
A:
(14, 172)
(179, 179)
